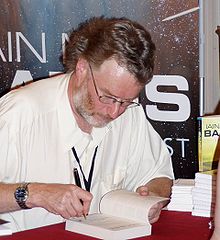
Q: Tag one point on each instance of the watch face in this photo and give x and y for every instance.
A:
(21, 194)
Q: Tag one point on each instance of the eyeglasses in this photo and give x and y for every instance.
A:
(112, 100)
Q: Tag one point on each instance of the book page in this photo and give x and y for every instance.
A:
(126, 204)
(108, 222)
(108, 227)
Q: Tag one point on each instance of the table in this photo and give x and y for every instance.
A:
(171, 226)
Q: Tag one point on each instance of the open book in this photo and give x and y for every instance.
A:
(123, 215)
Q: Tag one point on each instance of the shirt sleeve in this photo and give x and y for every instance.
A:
(8, 152)
(11, 141)
(149, 157)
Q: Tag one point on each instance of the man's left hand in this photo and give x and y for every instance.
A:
(155, 210)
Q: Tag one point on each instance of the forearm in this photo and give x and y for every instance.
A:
(7, 200)
(61, 199)
(160, 186)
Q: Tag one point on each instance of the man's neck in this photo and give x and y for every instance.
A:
(82, 123)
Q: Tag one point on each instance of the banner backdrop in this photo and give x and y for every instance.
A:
(33, 35)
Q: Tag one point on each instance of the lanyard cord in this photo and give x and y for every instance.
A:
(86, 183)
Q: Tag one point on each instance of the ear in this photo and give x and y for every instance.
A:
(81, 66)
(81, 71)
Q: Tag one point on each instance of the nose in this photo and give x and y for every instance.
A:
(114, 110)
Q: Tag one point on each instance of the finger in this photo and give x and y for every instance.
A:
(154, 213)
(76, 208)
(155, 216)
(67, 214)
(86, 204)
(71, 205)
(64, 210)
(154, 219)
(68, 204)
(83, 202)
(143, 190)
(86, 198)
(86, 207)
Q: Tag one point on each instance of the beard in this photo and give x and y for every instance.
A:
(84, 106)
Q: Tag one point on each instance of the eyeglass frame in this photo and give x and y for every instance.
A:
(112, 100)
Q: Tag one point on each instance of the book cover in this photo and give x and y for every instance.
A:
(181, 197)
(208, 142)
(180, 207)
(123, 215)
(182, 183)
(182, 186)
(207, 176)
(4, 229)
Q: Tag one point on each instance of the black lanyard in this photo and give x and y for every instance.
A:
(86, 183)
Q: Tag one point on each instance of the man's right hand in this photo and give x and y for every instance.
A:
(60, 199)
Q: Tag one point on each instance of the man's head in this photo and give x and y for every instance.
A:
(102, 94)
(111, 60)
(123, 40)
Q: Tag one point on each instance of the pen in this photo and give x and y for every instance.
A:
(78, 183)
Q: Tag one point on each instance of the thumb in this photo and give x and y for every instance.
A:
(143, 190)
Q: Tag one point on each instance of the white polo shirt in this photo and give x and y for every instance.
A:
(38, 131)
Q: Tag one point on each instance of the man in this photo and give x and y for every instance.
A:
(86, 119)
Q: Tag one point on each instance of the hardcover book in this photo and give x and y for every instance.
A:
(206, 177)
(208, 142)
(123, 215)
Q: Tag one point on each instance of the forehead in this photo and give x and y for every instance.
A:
(116, 80)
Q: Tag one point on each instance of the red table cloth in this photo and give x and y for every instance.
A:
(171, 226)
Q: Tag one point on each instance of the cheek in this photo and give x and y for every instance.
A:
(89, 102)
(93, 104)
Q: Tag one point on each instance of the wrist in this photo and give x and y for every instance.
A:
(37, 195)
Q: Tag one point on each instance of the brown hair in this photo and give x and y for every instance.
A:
(99, 39)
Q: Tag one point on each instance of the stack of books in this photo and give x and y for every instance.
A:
(203, 194)
(181, 197)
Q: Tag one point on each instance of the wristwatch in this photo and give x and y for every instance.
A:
(21, 195)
